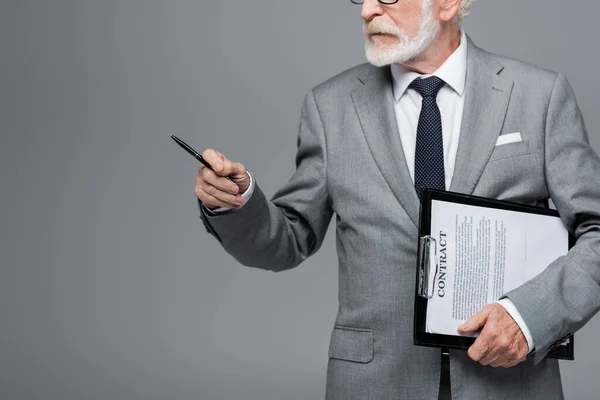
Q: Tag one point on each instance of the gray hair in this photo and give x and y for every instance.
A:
(464, 9)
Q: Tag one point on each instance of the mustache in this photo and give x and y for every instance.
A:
(377, 26)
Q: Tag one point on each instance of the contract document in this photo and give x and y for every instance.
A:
(472, 252)
(483, 253)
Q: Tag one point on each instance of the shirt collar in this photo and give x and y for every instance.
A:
(453, 71)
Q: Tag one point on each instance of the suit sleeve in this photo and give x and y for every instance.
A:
(281, 233)
(566, 295)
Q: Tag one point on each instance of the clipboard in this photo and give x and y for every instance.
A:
(427, 269)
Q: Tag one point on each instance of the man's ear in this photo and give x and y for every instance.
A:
(448, 9)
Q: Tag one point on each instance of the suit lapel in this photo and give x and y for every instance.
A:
(486, 102)
(374, 104)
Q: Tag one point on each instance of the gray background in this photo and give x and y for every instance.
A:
(109, 286)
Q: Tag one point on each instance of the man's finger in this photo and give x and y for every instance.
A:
(475, 322)
(496, 353)
(512, 363)
(214, 158)
(507, 362)
(232, 169)
(210, 201)
(499, 362)
(223, 166)
(231, 200)
(209, 177)
(479, 349)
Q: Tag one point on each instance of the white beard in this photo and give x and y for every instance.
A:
(407, 48)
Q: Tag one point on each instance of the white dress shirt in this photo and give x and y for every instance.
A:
(451, 101)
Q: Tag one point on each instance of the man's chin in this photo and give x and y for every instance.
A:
(380, 58)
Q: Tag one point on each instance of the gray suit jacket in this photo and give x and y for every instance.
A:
(350, 163)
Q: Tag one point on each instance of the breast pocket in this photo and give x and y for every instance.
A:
(351, 344)
(510, 150)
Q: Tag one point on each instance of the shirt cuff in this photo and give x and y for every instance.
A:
(246, 195)
(514, 313)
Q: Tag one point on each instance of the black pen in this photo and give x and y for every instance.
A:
(193, 152)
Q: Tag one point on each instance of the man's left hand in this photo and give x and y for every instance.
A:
(500, 343)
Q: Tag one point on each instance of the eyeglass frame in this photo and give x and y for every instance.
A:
(385, 2)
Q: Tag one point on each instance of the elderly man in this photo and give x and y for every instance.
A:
(426, 111)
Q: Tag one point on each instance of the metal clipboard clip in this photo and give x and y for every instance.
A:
(427, 258)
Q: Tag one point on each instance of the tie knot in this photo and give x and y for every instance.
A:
(428, 87)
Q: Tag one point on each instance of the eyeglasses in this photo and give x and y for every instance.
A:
(386, 2)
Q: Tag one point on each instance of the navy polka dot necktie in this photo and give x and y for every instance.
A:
(429, 149)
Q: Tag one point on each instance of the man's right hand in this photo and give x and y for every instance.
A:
(213, 188)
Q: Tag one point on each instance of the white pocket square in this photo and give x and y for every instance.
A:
(509, 138)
